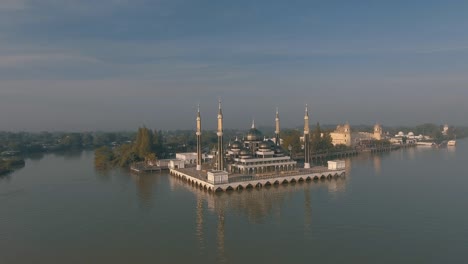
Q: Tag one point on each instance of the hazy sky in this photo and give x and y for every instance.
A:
(117, 64)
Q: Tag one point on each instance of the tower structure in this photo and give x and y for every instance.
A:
(378, 132)
(220, 155)
(277, 129)
(306, 139)
(347, 131)
(446, 129)
(198, 133)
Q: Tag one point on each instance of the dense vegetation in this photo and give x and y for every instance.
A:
(145, 147)
(25, 142)
(5, 167)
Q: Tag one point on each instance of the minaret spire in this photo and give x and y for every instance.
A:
(220, 157)
(198, 133)
(306, 139)
(253, 123)
(220, 111)
(277, 128)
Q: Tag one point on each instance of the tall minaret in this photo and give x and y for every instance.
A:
(306, 139)
(198, 133)
(277, 129)
(220, 156)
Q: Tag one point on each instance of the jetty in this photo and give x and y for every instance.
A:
(141, 167)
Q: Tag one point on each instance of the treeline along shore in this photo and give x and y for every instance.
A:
(124, 148)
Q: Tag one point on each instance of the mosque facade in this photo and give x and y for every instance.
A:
(254, 154)
(252, 161)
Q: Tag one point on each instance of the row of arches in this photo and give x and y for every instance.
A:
(264, 183)
(258, 183)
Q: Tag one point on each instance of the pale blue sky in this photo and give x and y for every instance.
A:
(118, 64)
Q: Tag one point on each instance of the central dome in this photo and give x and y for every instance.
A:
(254, 135)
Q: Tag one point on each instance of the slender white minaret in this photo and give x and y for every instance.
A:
(277, 129)
(220, 157)
(306, 139)
(198, 133)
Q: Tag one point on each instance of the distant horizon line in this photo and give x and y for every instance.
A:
(214, 128)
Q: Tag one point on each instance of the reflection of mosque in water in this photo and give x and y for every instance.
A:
(255, 204)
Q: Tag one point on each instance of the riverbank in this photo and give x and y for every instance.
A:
(8, 165)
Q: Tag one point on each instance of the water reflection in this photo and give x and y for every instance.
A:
(199, 223)
(220, 230)
(145, 184)
(257, 205)
(377, 164)
(307, 211)
(104, 175)
(452, 151)
(411, 152)
(373, 160)
(5, 177)
(69, 154)
(35, 156)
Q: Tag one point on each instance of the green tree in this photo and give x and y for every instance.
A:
(438, 137)
(144, 142)
(151, 157)
(320, 140)
(103, 157)
(292, 138)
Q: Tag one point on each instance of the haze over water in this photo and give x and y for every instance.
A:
(407, 206)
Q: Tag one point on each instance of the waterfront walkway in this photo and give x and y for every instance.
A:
(238, 181)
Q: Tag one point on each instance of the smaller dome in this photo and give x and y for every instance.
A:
(264, 145)
(410, 134)
(401, 133)
(236, 145)
(271, 144)
(244, 152)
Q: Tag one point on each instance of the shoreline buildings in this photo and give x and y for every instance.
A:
(345, 136)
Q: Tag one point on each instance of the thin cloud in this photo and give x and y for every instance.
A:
(9, 5)
(28, 59)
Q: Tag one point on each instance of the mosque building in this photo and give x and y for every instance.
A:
(252, 161)
(254, 154)
(257, 155)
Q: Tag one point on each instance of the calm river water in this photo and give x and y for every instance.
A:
(407, 206)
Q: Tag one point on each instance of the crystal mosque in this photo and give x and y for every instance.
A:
(253, 161)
